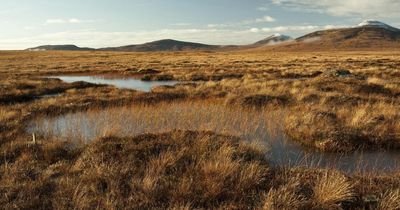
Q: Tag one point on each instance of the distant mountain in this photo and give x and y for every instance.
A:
(273, 40)
(377, 24)
(175, 45)
(367, 35)
(59, 47)
(164, 45)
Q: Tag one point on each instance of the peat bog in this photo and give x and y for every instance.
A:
(230, 130)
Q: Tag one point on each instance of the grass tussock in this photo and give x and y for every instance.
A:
(332, 190)
(373, 126)
(390, 200)
(285, 197)
(212, 170)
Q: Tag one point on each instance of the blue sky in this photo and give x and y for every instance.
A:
(101, 23)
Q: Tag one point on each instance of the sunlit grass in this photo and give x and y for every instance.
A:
(249, 124)
(195, 170)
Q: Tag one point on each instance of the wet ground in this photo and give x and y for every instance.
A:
(250, 125)
(119, 82)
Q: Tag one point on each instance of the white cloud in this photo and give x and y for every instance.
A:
(53, 21)
(181, 24)
(263, 8)
(286, 29)
(265, 19)
(28, 28)
(276, 1)
(255, 30)
(74, 20)
(327, 27)
(212, 25)
(63, 21)
(363, 8)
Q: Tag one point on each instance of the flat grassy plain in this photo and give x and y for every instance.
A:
(333, 102)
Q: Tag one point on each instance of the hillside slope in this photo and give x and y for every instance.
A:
(367, 35)
(59, 47)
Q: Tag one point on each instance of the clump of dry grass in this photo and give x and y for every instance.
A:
(285, 197)
(332, 189)
(259, 100)
(369, 126)
(379, 124)
(390, 200)
(317, 128)
(187, 206)
(6, 114)
(197, 169)
(25, 89)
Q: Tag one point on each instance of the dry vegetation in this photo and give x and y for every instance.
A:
(327, 107)
(206, 115)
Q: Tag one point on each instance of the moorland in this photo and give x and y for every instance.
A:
(332, 102)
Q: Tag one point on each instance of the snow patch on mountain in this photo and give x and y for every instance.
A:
(281, 36)
(274, 40)
(375, 23)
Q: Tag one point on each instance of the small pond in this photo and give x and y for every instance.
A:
(250, 125)
(119, 82)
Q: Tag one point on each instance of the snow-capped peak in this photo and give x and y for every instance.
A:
(274, 39)
(374, 23)
(277, 35)
(281, 36)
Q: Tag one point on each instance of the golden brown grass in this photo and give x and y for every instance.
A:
(249, 124)
(5, 114)
(285, 197)
(178, 169)
(332, 189)
(212, 170)
(390, 200)
(189, 170)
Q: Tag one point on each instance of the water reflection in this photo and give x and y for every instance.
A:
(250, 125)
(119, 82)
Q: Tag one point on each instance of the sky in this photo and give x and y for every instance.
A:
(110, 23)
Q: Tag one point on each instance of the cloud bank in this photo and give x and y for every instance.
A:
(63, 21)
(362, 8)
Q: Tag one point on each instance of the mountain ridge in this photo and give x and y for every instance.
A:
(69, 47)
(274, 39)
(163, 45)
(366, 35)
